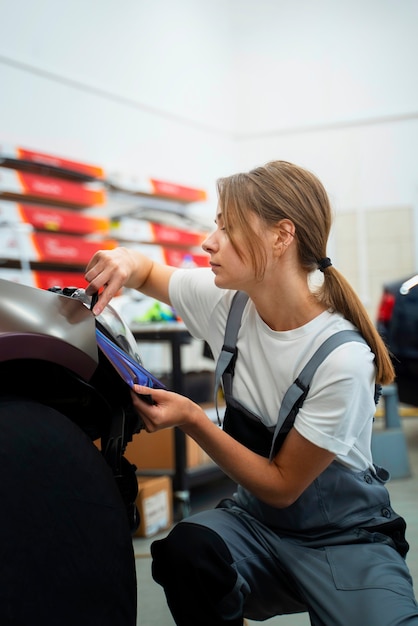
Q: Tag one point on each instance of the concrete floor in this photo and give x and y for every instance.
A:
(152, 609)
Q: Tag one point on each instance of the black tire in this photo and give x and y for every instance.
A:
(66, 553)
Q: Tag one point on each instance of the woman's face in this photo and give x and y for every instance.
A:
(231, 270)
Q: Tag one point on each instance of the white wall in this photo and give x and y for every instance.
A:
(303, 63)
(134, 86)
(194, 89)
(191, 89)
(331, 86)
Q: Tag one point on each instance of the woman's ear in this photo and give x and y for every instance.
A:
(286, 232)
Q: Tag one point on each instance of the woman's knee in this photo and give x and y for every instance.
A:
(195, 553)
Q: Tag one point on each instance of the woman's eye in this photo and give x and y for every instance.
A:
(220, 225)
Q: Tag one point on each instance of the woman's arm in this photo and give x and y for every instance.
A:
(121, 267)
(278, 483)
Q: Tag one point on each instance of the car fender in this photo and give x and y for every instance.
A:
(24, 345)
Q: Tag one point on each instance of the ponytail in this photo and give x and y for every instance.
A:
(336, 293)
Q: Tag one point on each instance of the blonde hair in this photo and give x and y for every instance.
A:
(280, 190)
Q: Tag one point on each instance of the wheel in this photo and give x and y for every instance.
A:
(66, 554)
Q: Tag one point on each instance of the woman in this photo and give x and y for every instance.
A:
(310, 527)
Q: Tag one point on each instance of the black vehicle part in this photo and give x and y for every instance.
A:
(49, 354)
(113, 423)
(397, 323)
(66, 554)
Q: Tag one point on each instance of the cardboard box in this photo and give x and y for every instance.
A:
(155, 505)
(143, 231)
(26, 186)
(44, 279)
(20, 243)
(52, 219)
(43, 160)
(177, 257)
(158, 188)
(156, 451)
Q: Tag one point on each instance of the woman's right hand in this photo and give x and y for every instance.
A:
(110, 270)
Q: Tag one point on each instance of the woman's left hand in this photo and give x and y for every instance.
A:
(159, 408)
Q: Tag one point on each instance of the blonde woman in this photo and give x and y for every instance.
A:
(310, 527)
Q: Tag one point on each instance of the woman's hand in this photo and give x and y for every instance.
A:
(159, 408)
(278, 483)
(111, 270)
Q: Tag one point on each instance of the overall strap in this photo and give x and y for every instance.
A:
(297, 392)
(229, 351)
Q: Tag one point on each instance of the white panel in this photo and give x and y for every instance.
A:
(307, 63)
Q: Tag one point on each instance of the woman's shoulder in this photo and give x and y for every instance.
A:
(351, 358)
(197, 285)
(347, 356)
(199, 302)
(335, 323)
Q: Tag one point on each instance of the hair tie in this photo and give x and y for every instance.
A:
(324, 263)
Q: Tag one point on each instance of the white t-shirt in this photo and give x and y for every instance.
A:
(337, 414)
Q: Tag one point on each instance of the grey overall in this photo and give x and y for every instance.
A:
(337, 552)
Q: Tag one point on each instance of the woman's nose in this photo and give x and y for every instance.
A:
(209, 243)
